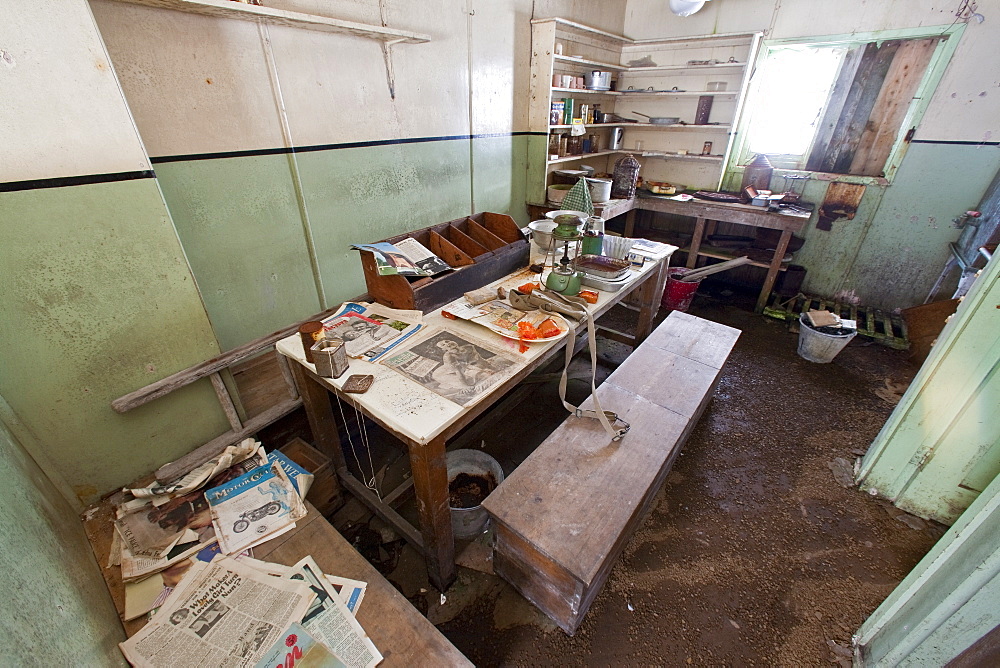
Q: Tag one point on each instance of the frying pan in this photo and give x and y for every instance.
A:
(660, 120)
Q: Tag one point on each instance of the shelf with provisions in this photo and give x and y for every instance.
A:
(652, 126)
(715, 67)
(580, 156)
(647, 93)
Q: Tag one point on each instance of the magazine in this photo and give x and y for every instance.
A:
(452, 366)
(406, 258)
(369, 330)
(301, 479)
(253, 507)
(295, 647)
(186, 517)
(417, 253)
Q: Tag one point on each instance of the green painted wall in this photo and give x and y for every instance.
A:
(891, 253)
(947, 602)
(240, 223)
(99, 301)
(55, 608)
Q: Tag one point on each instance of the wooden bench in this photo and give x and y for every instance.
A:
(564, 516)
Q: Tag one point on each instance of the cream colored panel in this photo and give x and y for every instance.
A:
(966, 104)
(61, 108)
(336, 88)
(501, 65)
(195, 84)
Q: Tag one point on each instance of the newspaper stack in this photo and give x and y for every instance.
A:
(243, 612)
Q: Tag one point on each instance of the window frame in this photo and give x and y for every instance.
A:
(740, 154)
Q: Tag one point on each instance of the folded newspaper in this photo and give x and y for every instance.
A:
(222, 613)
(251, 508)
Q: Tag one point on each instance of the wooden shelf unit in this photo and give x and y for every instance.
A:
(585, 49)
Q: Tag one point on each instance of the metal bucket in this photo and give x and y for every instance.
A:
(470, 522)
(817, 346)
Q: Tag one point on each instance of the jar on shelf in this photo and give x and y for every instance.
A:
(563, 145)
(575, 146)
(625, 177)
(553, 146)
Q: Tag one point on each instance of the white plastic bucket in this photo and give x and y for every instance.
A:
(470, 522)
(817, 346)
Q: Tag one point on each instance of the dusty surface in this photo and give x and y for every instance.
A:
(753, 553)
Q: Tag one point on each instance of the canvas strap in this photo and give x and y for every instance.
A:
(576, 309)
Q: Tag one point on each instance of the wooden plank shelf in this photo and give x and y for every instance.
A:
(237, 10)
(650, 126)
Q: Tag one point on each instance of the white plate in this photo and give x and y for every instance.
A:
(556, 318)
(552, 214)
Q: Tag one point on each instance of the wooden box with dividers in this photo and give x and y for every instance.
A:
(479, 249)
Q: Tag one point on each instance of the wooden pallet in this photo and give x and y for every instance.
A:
(888, 329)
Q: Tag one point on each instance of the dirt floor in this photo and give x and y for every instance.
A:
(754, 552)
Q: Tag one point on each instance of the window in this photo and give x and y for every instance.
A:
(840, 105)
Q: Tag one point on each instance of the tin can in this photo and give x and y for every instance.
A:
(706, 148)
(310, 332)
(330, 358)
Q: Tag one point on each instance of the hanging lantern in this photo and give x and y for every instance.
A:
(625, 178)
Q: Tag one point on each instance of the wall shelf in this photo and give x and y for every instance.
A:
(244, 12)
(572, 60)
(581, 156)
(650, 126)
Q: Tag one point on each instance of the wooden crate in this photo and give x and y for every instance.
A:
(480, 249)
(325, 490)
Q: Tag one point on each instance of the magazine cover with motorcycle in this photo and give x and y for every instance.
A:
(254, 507)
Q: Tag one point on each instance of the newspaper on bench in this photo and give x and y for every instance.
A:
(222, 613)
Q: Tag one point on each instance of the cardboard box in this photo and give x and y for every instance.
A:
(325, 490)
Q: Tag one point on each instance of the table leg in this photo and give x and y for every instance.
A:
(430, 484)
(650, 293)
(319, 413)
(630, 223)
(699, 232)
(772, 271)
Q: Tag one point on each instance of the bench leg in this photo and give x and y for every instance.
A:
(650, 293)
(430, 484)
(319, 413)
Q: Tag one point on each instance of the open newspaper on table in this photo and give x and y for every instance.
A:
(222, 613)
(455, 366)
(368, 331)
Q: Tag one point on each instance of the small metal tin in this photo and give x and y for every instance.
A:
(330, 358)
(310, 332)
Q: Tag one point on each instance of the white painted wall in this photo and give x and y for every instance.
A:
(89, 133)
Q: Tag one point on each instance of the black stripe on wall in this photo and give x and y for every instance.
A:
(86, 179)
(956, 142)
(331, 147)
(64, 181)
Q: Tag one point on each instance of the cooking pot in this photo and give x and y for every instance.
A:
(660, 120)
(541, 232)
(600, 190)
(597, 80)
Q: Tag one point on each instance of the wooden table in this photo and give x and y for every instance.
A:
(399, 631)
(705, 213)
(426, 422)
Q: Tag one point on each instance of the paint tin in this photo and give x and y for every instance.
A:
(330, 358)
(706, 148)
(310, 332)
